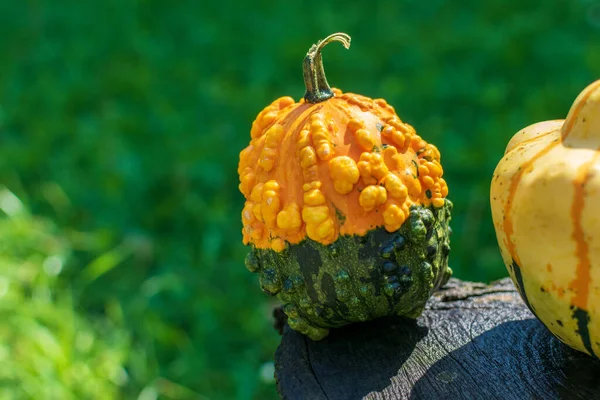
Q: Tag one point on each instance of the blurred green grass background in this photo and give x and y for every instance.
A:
(121, 263)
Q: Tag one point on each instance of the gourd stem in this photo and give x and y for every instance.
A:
(317, 88)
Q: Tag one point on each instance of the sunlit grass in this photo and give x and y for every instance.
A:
(49, 348)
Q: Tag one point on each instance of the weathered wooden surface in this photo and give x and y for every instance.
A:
(472, 342)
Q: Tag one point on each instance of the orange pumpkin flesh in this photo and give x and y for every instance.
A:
(342, 166)
(324, 171)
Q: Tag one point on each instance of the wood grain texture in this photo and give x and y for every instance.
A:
(472, 341)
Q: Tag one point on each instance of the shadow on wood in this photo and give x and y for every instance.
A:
(515, 360)
(472, 341)
(381, 346)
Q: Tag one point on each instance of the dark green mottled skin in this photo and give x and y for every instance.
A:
(358, 278)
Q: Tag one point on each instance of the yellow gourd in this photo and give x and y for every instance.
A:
(545, 199)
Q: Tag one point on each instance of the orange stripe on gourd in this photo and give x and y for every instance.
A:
(581, 284)
(514, 185)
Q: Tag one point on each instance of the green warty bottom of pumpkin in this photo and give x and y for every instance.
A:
(359, 278)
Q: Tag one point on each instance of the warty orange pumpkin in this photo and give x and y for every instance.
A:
(346, 210)
(545, 199)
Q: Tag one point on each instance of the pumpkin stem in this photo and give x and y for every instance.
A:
(317, 88)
